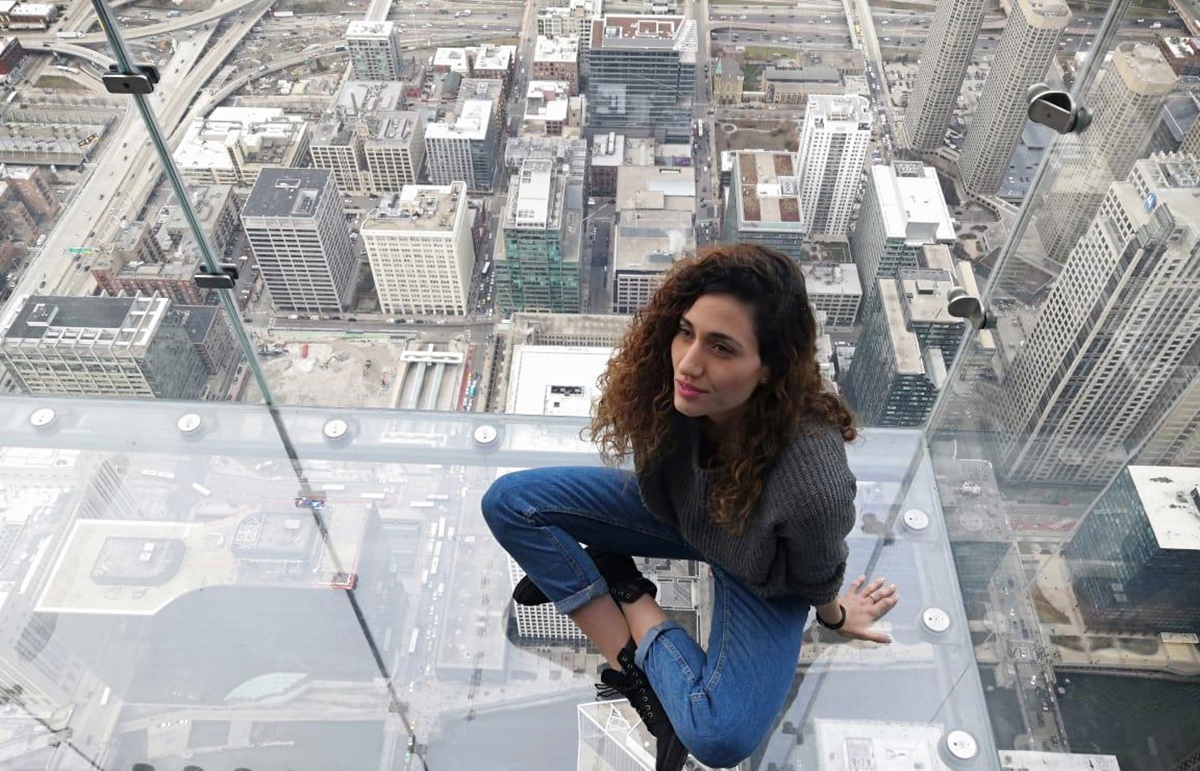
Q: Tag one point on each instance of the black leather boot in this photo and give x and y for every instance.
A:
(625, 582)
(631, 682)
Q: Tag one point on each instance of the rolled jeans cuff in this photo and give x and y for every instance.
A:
(643, 648)
(598, 588)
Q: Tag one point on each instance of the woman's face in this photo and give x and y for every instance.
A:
(715, 358)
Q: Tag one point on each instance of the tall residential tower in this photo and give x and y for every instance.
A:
(833, 149)
(1029, 40)
(943, 65)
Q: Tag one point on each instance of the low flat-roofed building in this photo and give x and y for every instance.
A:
(546, 108)
(46, 144)
(557, 59)
(233, 144)
(452, 60)
(494, 62)
(764, 201)
(793, 86)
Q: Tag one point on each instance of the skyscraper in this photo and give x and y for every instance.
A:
(296, 226)
(130, 347)
(643, 76)
(543, 229)
(1121, 318)
(1134, 562)
(373, 50)
(1125, 109)
(833, 149)
(903, 210)
(943, 65)
(421, 250)
(1029, 40)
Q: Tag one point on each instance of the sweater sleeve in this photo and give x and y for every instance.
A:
(813, 537)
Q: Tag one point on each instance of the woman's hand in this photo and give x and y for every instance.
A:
(864, 606)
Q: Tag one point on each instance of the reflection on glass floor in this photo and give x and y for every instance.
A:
(172, 601)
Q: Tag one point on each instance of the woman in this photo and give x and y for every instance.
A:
(739, 461)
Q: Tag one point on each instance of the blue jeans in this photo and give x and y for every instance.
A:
(723, 701)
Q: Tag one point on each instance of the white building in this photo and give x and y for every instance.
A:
(1115, 328)
(546, 108)
(296, 225)
(1023, 54)
(655, 227)
(903, 210)
(833, 149)
(233, 144)
(421, 252)
(944, 62)
(374, 50)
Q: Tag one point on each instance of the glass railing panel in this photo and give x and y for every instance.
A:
(1063, 442)
(195, 608)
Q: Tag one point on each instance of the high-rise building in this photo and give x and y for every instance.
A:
(421, 251)
(395, 150)
(1134, 562)
(643, 76)
(833, 289)
(373, 49)
(539, 269)
(939, 78)
(463, 148)
(903, 210)
(905, 350)
(1191, 140)
(296, 225)
(1125, 109)
(765, 202)
(130, 347)
(833, 149)
(1122, 317)
(1029, 40)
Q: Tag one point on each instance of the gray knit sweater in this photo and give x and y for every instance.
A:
(795, 542)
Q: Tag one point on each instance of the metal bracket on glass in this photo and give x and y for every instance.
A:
(1057, 109)
(225, 279)
(962, 305)
(141, 81)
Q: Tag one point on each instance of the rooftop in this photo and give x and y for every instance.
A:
(1171, 497)
(493, 58)
(294, 193)
(417, 209)
(40, 314)
(536, 200)
(139, 567)
(925, 292)
(608, 149)
(656, 187)
(471, 124)
(369, 29)
(369, 97)
(645, 33)
(558, 49)
(555, 380)
(768, 191)
(1033, 760)
(906, 350)
(830, 278)
(847, 112)
(265, 135)
(803, 75)
(911, 200)
(651, 240)
(547, 100)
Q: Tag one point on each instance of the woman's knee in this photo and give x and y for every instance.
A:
(501, 498)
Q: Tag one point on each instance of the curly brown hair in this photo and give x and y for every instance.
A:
(636, 413)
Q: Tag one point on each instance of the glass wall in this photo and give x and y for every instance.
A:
(241, 511)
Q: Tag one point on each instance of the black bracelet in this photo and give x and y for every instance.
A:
(841, 622)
